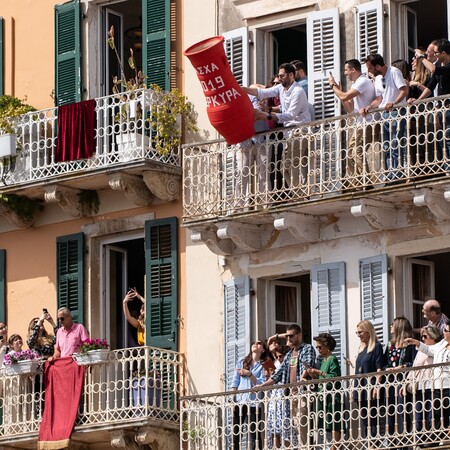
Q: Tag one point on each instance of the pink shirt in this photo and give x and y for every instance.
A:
(68, 341)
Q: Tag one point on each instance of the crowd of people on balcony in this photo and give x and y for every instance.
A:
(390, 401)
(380, 136)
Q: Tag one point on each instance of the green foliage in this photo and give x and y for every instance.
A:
(10, 109)
(24, 207)
(171, 106)
(88, 201)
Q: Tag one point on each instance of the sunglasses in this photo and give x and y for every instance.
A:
(288, 336)
(257, 343)
(319, 347)
(446, 330)
(424, 336)
(359, 333)
(62, 318)
(383, 81)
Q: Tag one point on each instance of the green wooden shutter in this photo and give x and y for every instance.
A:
(3, 286)
(67, 53)
(70, 274)
(2, 62)
(161, 261)
(156, 42)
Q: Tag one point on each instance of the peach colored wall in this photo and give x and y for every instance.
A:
(29, 50)
(31, 265)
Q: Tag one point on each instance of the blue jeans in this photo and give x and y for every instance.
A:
(445, 143)
(394, 142)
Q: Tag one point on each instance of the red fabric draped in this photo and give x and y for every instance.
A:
(64, 380)
(76, 131)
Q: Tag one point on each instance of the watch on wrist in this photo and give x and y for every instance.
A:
(269, 117)
(333, 85)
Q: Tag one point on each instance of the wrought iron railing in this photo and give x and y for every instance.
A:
(404, 408)
(316, 160)
(135, 385)
(123, 133)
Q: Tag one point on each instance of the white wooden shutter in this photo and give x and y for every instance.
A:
(328, 306)
(236, 49)
(373, 291)
(237, 324)
(369, 29)
(323, 57)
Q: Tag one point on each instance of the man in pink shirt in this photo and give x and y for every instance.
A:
(69, 335)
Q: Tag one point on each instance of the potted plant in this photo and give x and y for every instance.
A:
(92, 351)
(23, 362)
(11, 108)
(170, 112)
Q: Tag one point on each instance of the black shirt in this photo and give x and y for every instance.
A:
(441, 79)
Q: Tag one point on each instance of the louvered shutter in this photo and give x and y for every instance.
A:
(3, 286)
(156, 44)
(237, 324)
(236, 49)
(373, 292)
(328, 305)
(70, 274)
(2, 56)
(161, 260)
(369, 29)
(67, 53)
(323, 57)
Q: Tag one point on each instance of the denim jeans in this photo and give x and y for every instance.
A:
(394, 142)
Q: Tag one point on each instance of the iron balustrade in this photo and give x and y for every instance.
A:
(136, 385)
(123, 133)
(396, 409)
(316, 160)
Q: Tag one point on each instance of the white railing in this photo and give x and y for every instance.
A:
(123, 133)
(404, 410)
(316, 160)
(135, 385)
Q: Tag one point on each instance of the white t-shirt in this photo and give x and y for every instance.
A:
(393, 80)
(366, 91)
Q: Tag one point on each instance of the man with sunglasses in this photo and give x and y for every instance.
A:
(300, 357)
(69, 336)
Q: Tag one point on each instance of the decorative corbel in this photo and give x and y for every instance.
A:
(246, 236)
(66, 197)
(379, 215)
(118, 439)
(165, 186)
(132, 186)
(208, 235)
(145, 436)
(303, 227)
(436, 201)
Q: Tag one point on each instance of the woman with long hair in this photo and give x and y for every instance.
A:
(38, 337)
(138, 323)
(249, 373)
(398, 354)
(370, 359)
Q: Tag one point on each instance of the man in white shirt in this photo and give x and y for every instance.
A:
(391, 90)
(360, 137)
(294, 111)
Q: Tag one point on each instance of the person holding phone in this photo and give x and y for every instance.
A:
(138, 323)
(38, 337)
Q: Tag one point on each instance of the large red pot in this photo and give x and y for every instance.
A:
(229, 109)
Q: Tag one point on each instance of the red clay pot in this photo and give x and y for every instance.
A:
(229, 109)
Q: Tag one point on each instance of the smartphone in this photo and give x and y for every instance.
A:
(1, 338)
(44, 310)
(306, 365)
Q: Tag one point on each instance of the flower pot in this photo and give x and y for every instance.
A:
(131, 145)
(8, 145)
(229, 108)
(26, 367)
(92, 357)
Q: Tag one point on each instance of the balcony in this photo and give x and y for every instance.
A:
(132, 398)
(410, 409)
(240, 198)
(125, 158)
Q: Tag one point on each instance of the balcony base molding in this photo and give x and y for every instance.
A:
(142, 438)
(379, 215)
(303, 227)
(67, 198)
(208, 235)
(132, 186)
(435, 200)
(163, 185)
(14, 219)
(246, 236)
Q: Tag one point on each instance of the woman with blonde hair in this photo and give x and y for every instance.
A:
(138, 323)
(370, 359)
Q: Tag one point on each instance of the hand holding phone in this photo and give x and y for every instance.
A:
(45, 310)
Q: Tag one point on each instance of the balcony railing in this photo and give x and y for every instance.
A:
(398, 409)
(123, 134)
(316, 160)
(137, 385)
